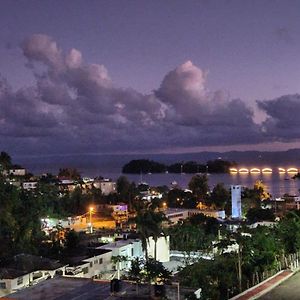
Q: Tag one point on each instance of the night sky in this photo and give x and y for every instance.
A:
(149, 76)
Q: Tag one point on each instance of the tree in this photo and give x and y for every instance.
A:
(288, 231)
(117, 260)
(20, 228)
(251, 198)
(206, 274)
(71, 240)
(199, 186)
(76, 202)
(5, 160)
(149, 271)
(69, 173)
(148, 222)
(219, 196)
(126, 190)
(260, 214)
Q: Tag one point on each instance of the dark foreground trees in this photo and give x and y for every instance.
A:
(20, 227)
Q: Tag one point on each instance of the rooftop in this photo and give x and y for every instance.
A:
(63, 288)
(25, 263)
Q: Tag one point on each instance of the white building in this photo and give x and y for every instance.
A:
(106, 186)
(17, 172)
(236, 201)
(162, 248)
(96, 266)
(175, 215)
(29, 185)
(27, 270)
(131, 248)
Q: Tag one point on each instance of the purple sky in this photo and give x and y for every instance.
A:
(149, 76)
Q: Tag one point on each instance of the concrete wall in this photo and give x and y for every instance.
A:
(163, 249)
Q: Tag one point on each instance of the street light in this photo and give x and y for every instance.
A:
(91, 209)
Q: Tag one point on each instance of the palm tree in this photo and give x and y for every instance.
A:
(117, 260)
(148, 222)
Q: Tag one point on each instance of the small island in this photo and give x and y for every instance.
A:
(191, 167)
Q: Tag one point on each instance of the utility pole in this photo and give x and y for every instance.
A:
(240, 267)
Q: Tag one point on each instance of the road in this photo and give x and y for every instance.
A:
(288, 290)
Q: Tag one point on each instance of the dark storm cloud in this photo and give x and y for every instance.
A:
(283, 122)
(76, 107)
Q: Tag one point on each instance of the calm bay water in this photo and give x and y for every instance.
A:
(276, 184)
(110, 166)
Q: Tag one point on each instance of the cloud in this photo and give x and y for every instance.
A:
(76, 107)
(282, 123)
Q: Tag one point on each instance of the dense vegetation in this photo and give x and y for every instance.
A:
(192, 167)
(256, 254)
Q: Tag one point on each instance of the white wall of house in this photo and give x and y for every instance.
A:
(162, 248)
(28, 279)
(107, 187)
(129, 248)
(92, 267)
(32, 185)
(17, 172)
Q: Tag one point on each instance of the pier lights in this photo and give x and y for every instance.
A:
(255, 171)
(243, 171)
(267, 170)
(292, 170)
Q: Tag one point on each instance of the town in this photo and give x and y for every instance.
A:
(138, 241)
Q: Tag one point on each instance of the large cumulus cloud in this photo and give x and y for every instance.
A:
(76, 107)
(282, 122)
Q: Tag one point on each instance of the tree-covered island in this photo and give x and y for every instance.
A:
(149, 166)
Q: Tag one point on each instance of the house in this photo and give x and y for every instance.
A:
(178, 214)
(29, 185)
(107, 186)
(131, 248)
(67, 185)
(162, 248)
(16, 171)
(95, 264)
(119, 212)
(26, 270)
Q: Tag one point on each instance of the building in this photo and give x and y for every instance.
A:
(162, 248)
(107, 186)
(236, 201)
(67, 185)
(131, 248)
(29, 185)
(96, 264)
(26, 270)
(16, 172)
(175, 215)
(119, 212)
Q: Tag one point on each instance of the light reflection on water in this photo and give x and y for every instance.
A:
(276, 184)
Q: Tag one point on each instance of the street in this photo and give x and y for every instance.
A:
(288, 290)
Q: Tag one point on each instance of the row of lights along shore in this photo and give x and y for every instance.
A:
(264, 171)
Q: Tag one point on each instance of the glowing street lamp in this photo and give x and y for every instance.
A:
(91, 209)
